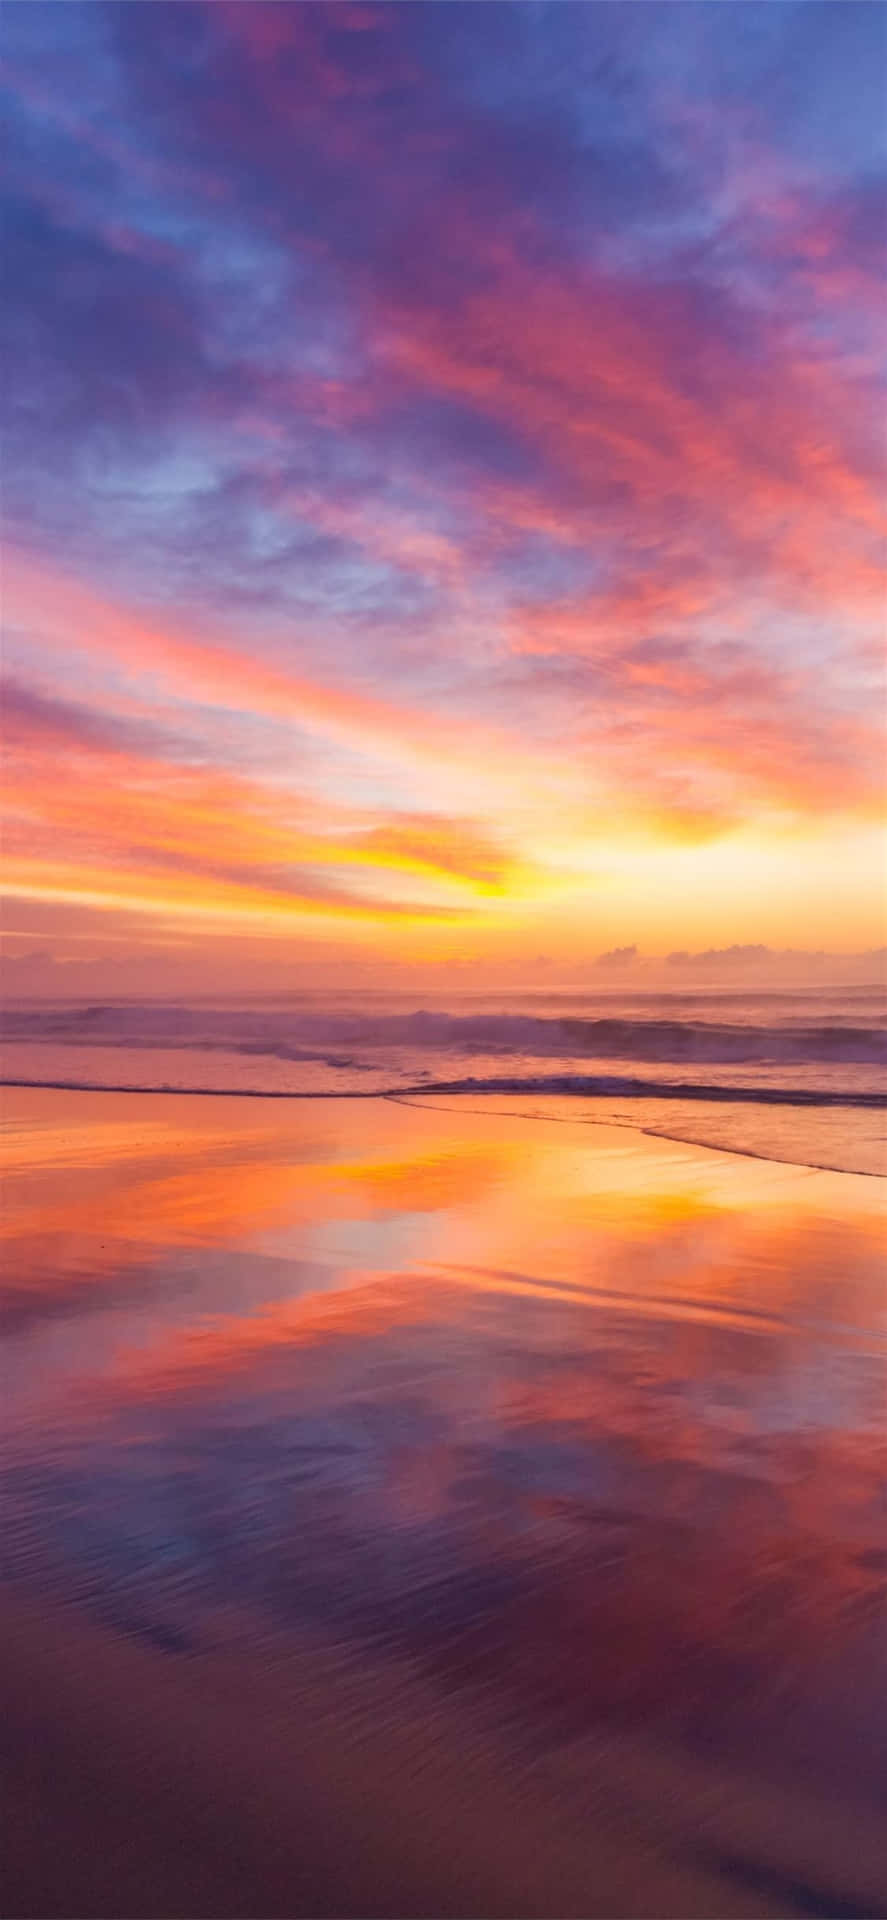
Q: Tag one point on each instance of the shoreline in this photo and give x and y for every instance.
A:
(561, 1087)
(416, 1098)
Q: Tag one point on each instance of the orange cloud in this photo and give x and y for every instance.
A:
(204, 839)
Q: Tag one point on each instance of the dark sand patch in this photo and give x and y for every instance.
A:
(144, 1784)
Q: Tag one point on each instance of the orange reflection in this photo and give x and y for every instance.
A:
(614, 1404)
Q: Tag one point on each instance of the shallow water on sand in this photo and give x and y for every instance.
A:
(588, 1429)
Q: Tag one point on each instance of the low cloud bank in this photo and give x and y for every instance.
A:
(751, 964)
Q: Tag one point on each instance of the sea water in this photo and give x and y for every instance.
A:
(793, 1076)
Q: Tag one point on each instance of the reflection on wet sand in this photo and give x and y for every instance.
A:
(579, 1436)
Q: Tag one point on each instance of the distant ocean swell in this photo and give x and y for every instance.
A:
(309, 1035)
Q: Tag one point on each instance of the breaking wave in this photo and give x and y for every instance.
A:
(311, 1034)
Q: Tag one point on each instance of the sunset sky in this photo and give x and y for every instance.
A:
(443, 487)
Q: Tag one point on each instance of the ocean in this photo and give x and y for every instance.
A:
(794, 1076)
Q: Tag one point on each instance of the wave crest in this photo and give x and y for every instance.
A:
(306, 1034)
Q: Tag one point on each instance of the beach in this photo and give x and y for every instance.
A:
(423, 1507)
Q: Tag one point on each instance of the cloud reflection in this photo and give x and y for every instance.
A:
(603, 1441)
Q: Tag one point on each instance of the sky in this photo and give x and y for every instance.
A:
(443, 488)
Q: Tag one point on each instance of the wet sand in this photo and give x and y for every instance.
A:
(426, 1514)
(134, 1787)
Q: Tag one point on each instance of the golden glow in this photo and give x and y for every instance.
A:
(566, 852)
